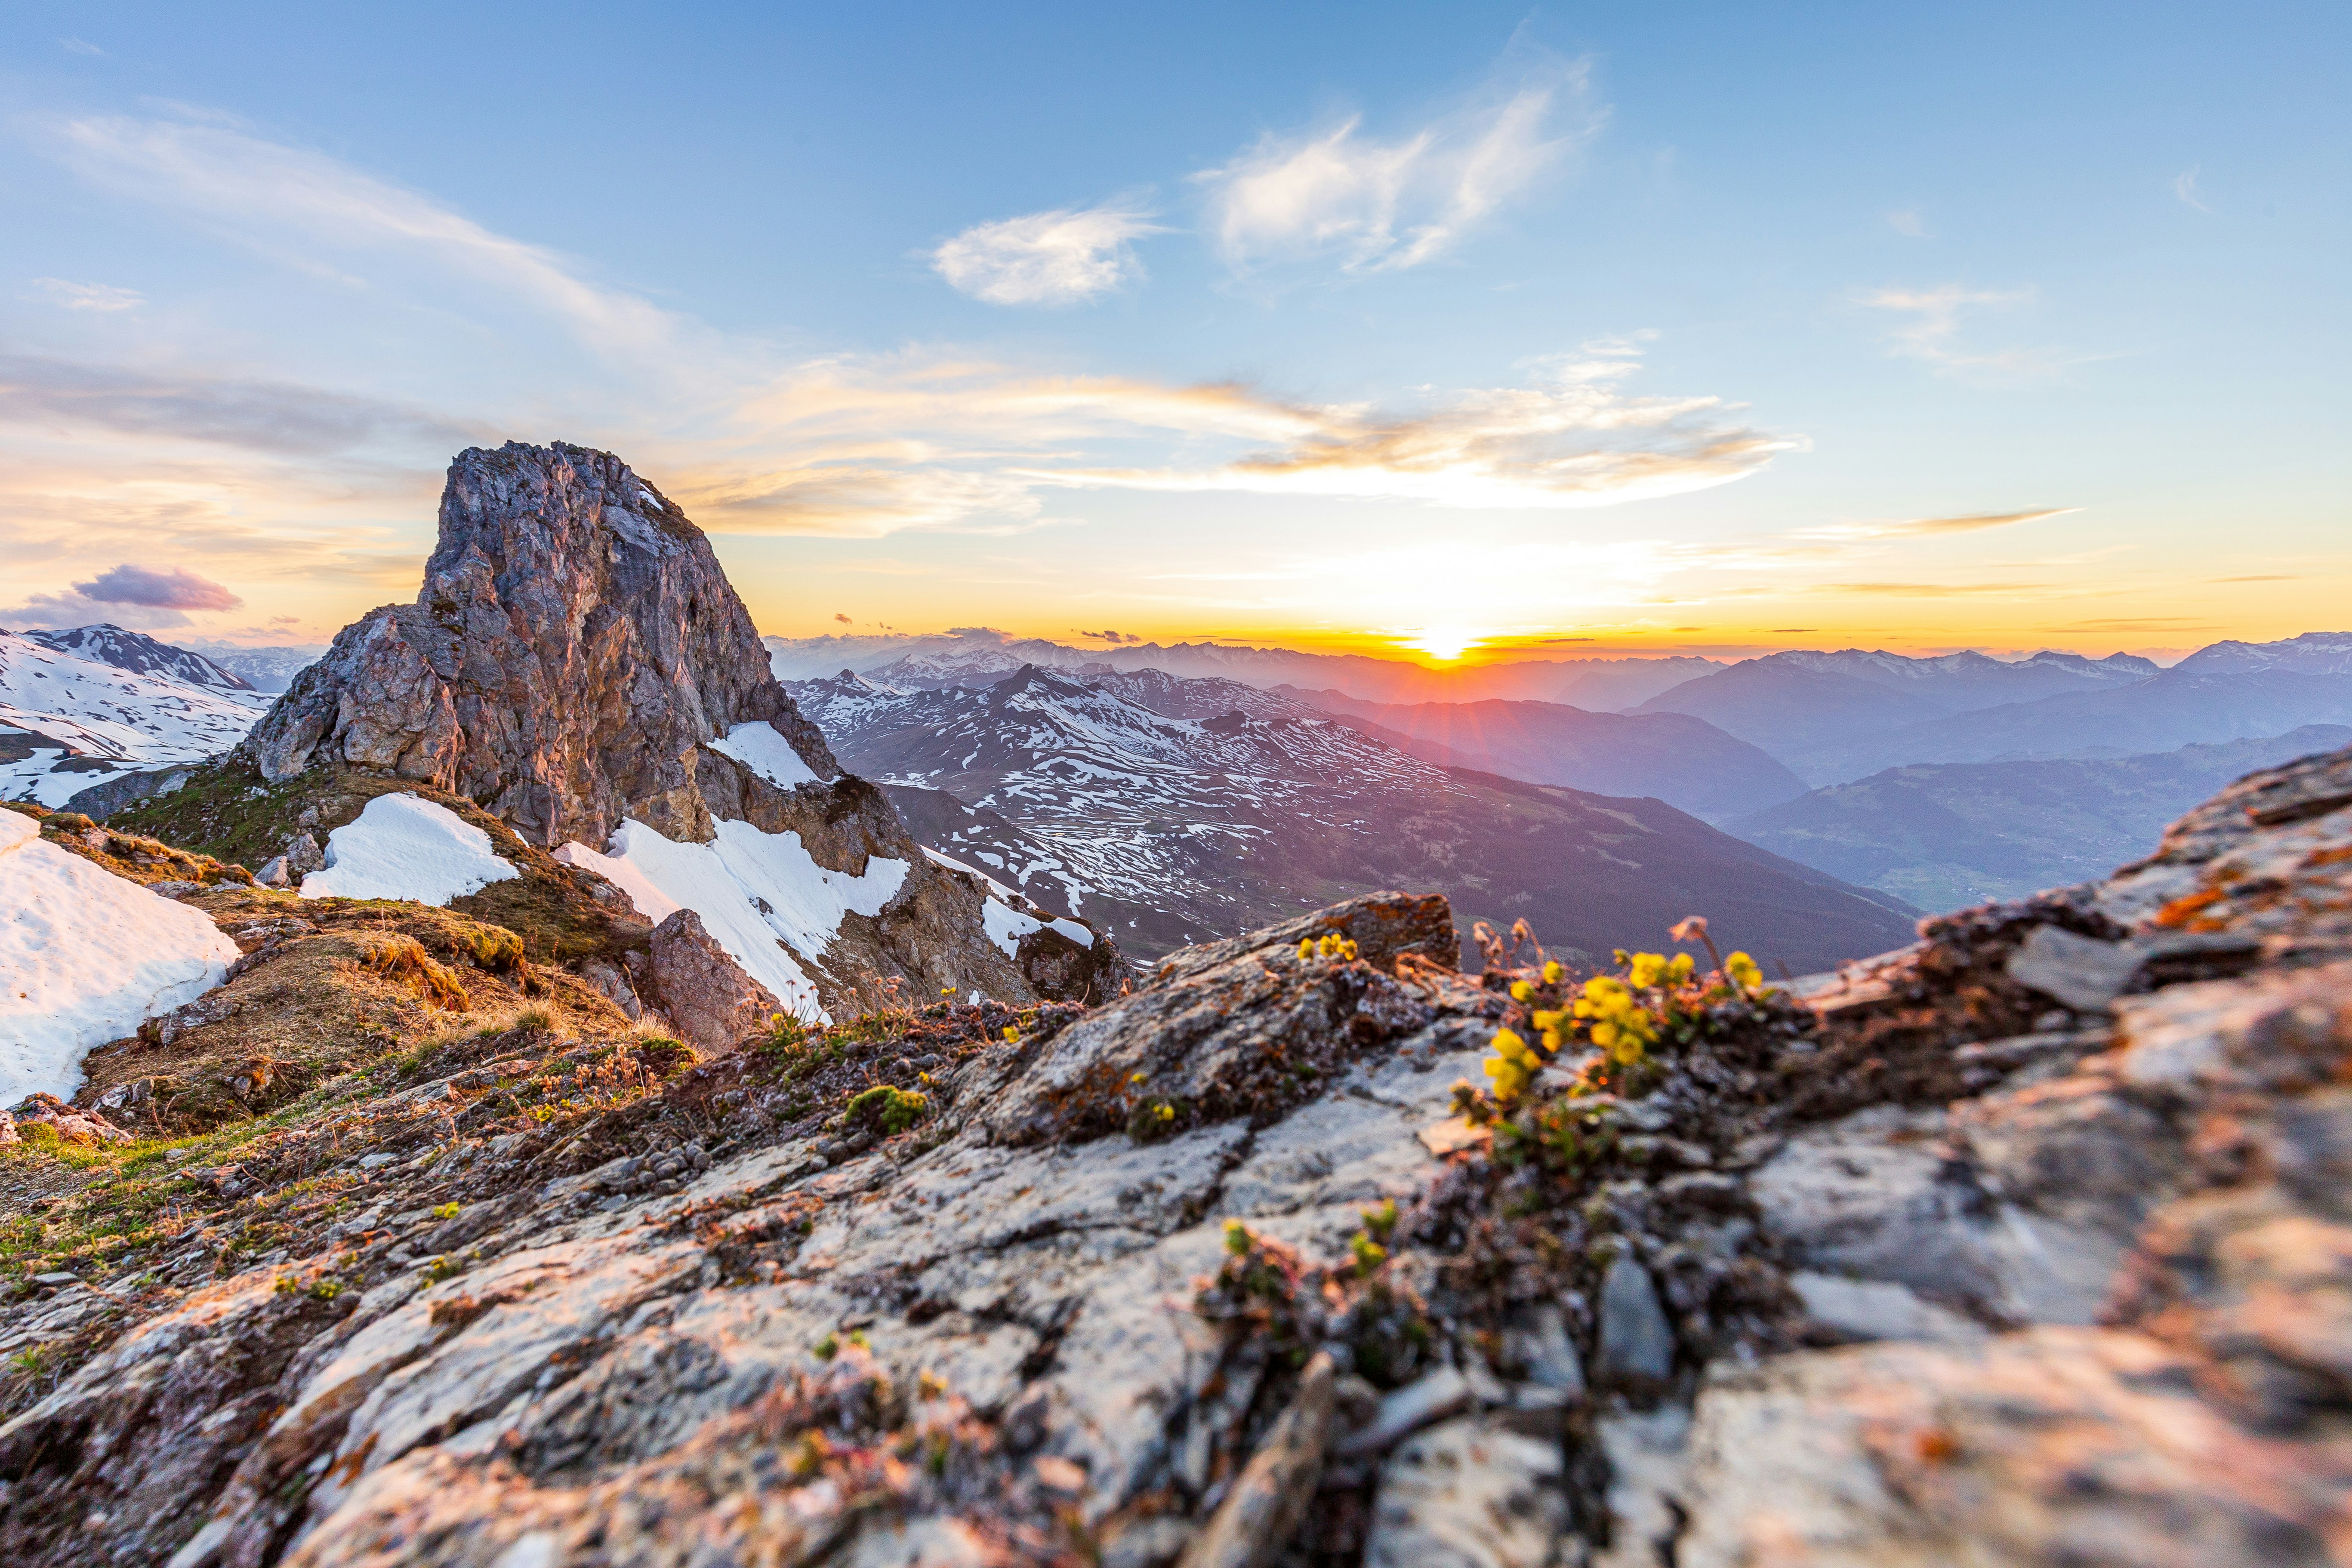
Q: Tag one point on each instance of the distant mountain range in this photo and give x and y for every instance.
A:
(1954, 834)
(1176, 828)
(975, 655)
(1836, 717)
(1682, 760)
(270, 669)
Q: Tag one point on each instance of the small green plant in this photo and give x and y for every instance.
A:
(888, 1109)
(447, 1211)
(287, 1285)
(828, 1347)
(326, 1290)
(538, 1018)
(1330, 945)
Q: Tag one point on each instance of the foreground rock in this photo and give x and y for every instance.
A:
(1933, 1268)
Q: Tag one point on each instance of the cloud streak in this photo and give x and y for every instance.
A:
(285, 418)
(102, 298)
(248, 185)
(1932, 332)
(1059, 258)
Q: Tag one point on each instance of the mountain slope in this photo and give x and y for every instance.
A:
(108, 644)
(1953, 834)
(1175, 830)
(69, 723)
(270, 669)
(1681, 759)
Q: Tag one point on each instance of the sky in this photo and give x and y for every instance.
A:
(1454, 331)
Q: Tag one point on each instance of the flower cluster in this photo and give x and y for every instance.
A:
(1624, 1015)
(1330, 944)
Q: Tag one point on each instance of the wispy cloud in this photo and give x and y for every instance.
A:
(1059, 257)
(1373, 205)
(80, 47)
(103, 297)
(1933, 331)
(1907, 221)
(280, 417)
(2184, 185)
(1931, 590)
(252, 187)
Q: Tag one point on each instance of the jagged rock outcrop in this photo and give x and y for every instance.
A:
(575, 658)
(573, 648)
(2002, 1248)
(703, 992)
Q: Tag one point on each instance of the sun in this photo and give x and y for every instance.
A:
(1444, 644)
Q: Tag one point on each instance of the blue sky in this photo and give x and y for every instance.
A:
(1586, 328)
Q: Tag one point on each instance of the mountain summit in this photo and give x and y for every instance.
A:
(577, 670)
(574, 648)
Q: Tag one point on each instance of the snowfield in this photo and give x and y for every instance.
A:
(761, 896)
(404, 847)
(86, 957)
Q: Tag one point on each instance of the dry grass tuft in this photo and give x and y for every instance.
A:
(403, 958)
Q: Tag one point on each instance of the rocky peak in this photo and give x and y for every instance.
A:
(574, 647)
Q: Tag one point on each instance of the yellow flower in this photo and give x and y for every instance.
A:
(1305, 949)
(1011, 1033)
(1521, 991)
(1744, 971)
(1552, 971)
(1680, 969)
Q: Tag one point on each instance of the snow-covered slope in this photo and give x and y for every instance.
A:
(67, 722)
(1174, 830)
(87, 957)
(761, 896)
(1132, 805)
(108, 644)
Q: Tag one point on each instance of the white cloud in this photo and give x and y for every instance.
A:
(80, 47)
(1377, 206)
(2184, 185)
(1907, 222)
(1057, 257)
(100, 297)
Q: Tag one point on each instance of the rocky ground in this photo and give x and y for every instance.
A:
(2027, 1244)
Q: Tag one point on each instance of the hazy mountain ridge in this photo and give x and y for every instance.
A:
(1680, 759)
(978, 653)
(1178, 828)
(1953, 834)
(1833, 718)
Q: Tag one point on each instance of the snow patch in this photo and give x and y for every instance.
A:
(86, 957)
(1074, 931)
(760, 748)
(761, 896)
(1005, 926)
(404, 847)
